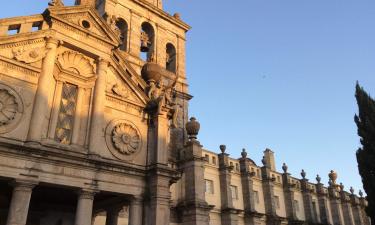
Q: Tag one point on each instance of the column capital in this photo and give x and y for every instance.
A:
(102, 61)
(87, 194)
(53, 40)
(136, 200)
(19, 184)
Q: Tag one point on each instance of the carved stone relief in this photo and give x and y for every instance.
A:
(76, 63)
(29, 55)
(120, 91)
(123, 139)
(11, 108)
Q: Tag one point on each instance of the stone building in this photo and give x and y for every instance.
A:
(94, 130)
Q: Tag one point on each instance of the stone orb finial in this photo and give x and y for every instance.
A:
(360, 193)
(223, 148)
(352, 190)
(244, 153)
(318, 179)
(333, 176)
(303, 174)
(192, 128)
(152, 72)
(177, 16)
(285, 168)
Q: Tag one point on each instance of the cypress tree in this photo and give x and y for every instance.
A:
(365, 121)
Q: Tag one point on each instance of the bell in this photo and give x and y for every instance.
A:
(144, 46)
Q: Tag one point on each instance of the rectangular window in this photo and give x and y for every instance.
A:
(214, 160)
(277, 202)
(209, 187)
(234, 191)
(64, 128)
(207, 158)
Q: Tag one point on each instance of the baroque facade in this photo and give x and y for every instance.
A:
(94, 129)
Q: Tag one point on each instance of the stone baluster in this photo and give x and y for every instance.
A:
(43, 93)
(84, 207)
(97, 118)
(19, 206)
(229, 215)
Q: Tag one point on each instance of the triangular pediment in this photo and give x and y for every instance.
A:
(85, 19)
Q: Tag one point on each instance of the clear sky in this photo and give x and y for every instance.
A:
(276, 74)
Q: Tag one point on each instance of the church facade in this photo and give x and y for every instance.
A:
(94, 130)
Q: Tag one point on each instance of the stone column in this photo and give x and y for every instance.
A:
(229, 215)
(97, 118)
(247, 189)
(195, 210)
(84, 207)
(136, 211)
(43, 92)
(78, 116)
(112, 216)
(19, 205)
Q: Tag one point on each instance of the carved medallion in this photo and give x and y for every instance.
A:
(126, 138)
(11, 108)
(123, 139)
(29, 55)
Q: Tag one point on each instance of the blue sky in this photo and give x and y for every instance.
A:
(275, 74)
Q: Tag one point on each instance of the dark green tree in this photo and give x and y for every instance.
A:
(365, 121)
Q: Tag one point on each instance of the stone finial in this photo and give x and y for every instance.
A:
(192, 128)
(352, 190)
(303, 174)
(264, 161)
(318, 179)
(342, 187)
(285, 168)
(177, 16)
(333, 177)
(330, 183)
(360, 193)
(223, 148)
(244, 153)
(56, 3)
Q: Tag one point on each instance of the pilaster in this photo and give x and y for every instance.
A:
(307, 200)
(335, 202)
(289, 189)
(194, 210)
(247, 189)
(323, 203)
(346, 207)
(229, 213)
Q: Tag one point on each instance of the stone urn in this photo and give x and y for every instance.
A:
(333, 177)
(192, 128)
(152, 72)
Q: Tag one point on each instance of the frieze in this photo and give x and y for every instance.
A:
(22, 43)
(124, 106)
(19, 68)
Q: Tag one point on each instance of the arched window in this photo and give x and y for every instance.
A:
(122, 27)
(171, 59)
(147, 41)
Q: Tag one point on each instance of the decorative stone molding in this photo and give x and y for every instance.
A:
(29, 55)
(76, 63)
(11, 108)
(120, 91)
(123, 139)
